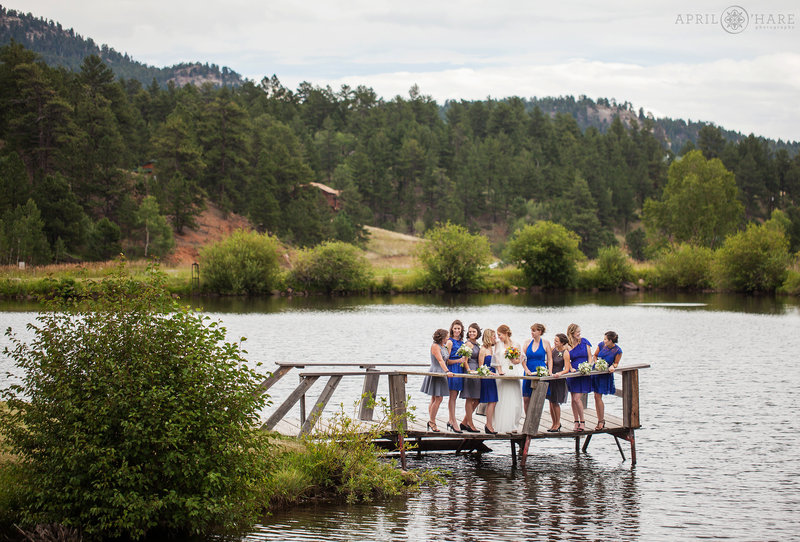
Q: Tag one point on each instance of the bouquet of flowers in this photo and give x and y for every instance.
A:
(541, 371)
(601, 365)
(585, 368)
(512, 353)
(483, 370)
(465, 351)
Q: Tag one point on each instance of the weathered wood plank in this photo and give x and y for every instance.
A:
(397, 401)
(289, 402)
(535, 407)
(319, 406)
(272, 379)
(368, 394)
(630, 400)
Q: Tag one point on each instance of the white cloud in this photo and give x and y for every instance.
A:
(628, 50)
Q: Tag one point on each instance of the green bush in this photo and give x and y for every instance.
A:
(685, 266)
(452, 257)
(547, 253)
(753, 260)
(133, 413)
(245, 263)
(636, 241)
(331, 267)
(792, 283)
(613, 267)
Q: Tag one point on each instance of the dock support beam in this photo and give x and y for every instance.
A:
(368, 394)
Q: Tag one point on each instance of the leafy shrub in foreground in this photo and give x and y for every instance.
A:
(452, 257)
(753, 260)
(244, 263)
(547, 253)
(332, 266)
(133, 413)
(685, 267)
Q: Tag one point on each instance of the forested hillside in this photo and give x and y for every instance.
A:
(73, 143)
(58, 46)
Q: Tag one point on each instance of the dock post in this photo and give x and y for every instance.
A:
(302, 405)
(586, 442)
(368, 394)
(577, 445)
(397, 404)
(619, 447)
(524, 458)
(513, 454)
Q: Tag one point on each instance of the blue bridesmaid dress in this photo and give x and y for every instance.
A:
(534, 360)
(577, 355)
(455, 383)
(488, 385)
(604, 384)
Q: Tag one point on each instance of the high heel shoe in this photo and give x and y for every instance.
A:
(486, 430)
(581, 426)
(453, 429)
(433, 429)
(467, 428)
(556, 430)
(600, 425)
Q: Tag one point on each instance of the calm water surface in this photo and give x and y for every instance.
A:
(718, 454)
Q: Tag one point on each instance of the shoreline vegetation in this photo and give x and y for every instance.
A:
(133, 417)
(389, 266)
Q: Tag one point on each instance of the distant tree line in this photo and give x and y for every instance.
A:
(73, 142)
(63, 47)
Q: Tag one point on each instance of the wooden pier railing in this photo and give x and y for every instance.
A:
(533, 427)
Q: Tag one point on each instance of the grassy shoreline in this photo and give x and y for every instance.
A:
(70, 279)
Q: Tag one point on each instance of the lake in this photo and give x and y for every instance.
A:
(717, 453)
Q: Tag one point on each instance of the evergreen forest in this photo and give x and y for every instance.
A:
(92, 164)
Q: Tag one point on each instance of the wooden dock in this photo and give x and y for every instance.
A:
(403, 431)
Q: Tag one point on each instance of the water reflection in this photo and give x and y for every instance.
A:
(570, 498)
(760, 304)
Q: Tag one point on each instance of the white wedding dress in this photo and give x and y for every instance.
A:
(508, 411)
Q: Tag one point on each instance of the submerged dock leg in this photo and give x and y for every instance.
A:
(577, 445)
(619, 447)
(402, 445)
(630, 438)
(524, 455)
(586, 442)
(513, 454)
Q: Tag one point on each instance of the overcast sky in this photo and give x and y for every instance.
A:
(653, 54)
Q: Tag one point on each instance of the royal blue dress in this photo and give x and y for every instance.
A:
(534, 360)
(488, 385)
(455, 384)
(604, 384)
(579, 384)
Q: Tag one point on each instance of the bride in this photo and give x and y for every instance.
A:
(509, 403)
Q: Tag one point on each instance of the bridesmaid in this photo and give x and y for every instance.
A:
(488, 385)
(580, 351)
(472, 386)
(537, 354)
(603, 384)
(454, 364)
(436, 386)
(557, 390)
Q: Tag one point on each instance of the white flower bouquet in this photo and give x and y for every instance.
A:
(585, 368)
(483, 370)
(541, 371)
(464, 351)
(601, 365)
